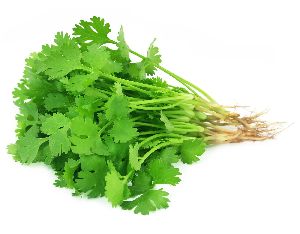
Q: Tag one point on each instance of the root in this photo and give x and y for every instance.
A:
(235, 128)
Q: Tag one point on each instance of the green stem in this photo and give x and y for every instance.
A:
(186, 83)
(154, 107)
(104, 127)
(133, 83)
(125, 178)
(171, 142)
(180, 118)
(186, 130)
(147, 125)
(150, 133)
(158, 136)
(132, 87)
(180, 97)
(187, 113)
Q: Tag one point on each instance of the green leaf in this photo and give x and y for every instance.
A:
(55, 101)
(28, 116)
(118, 154)
(45, 154)
(148, 202)
(91, 177)
(169, 155)
(163, 173)
(86, 106)
(56, 126)
(98, 57)
(93, 31)
(123, 130)
(122, 45)
(134, 157)
(116, 150)
(55, 122)
(27, 146)
(191, 150)
(69, 169)
(153, 58)
(141, 183)
(59, 60)
(84, 137)
(80, 82)
(59, 142)
(100, 148)
(116, 187)
(136, 70)
(117, 107)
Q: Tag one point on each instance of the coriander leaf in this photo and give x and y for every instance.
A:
(86, 106)
(28, 145)
(91, 177)
(117, 107)
(56, 126)
(191, 149)
(84, 136)
(169, 155)
(152, 200)
(55, 122)
(141, 183)
(58, 61)
(162, 172)
(69, 169)
(116, 150)
(80, 82)
(55, 101)
(123, 130)
(58, 163)
(83, 127)
(59, 142)
(100, 148)
(98, 57)
(136, 70)
(59, 181)
(153, 58)
(116, 189)
(118, 154)
(134, 157)
(122, 45)
(93, 31)
(157, 81)
(28, 116)
(12, 149)
(45, 154)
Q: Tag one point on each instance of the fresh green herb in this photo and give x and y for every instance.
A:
(109, 126)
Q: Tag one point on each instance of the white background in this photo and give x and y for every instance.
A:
(241, 52)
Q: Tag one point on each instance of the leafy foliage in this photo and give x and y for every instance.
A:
(28, 145)
(60, 59)
(106, 125)
(149, 201)
(91, 177)
(91, 32)
(116, 187)
(191, 149)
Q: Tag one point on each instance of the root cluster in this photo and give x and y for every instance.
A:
(235, 128)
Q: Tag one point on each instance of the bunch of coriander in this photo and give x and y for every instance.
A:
(109, 126)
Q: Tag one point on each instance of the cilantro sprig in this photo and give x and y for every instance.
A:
(109, 126)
